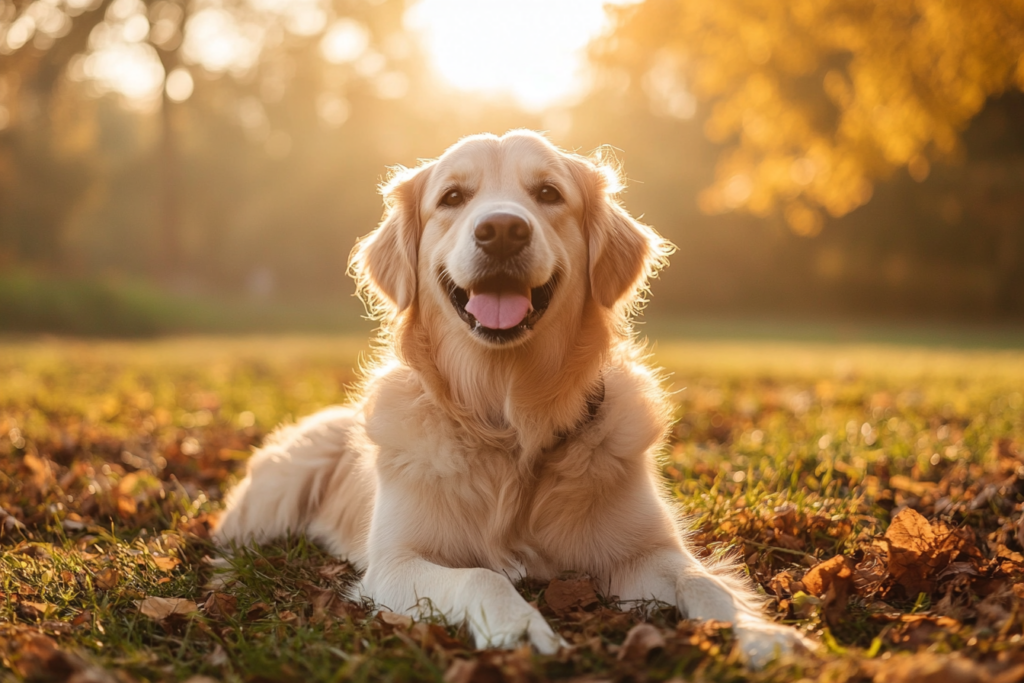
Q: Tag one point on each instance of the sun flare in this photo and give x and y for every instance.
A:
(529, 49)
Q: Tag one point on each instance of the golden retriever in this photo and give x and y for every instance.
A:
(510, 427)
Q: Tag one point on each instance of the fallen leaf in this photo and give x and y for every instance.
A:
(568, 595)
(221, 605)
(640, 641)
(832, 581)
(35, 610)
(258, 610)
(39, 659)
(165, 563)
(461, 671)
(918, 550)
(106, 578)
(434, 636)
(332, 571)
(926, 667)
(819, 577)
(396, 620)
(163, 608)
(61, 627)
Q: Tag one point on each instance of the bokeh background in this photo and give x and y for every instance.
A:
(206, 165)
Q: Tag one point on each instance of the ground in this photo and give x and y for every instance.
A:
(874, 493)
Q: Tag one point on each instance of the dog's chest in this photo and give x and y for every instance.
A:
(561, 515)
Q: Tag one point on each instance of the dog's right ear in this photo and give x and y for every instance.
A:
(384, 262)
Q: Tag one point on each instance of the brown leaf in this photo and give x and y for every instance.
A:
(258, 610)
(434, 636)
(568, 595)
(393, 619)
(326, 603)
(832, 581)
(288, 616)
(958, 569)
(106, 578)
(163, 608)
(61, 627)
(781, 585)
(476, 671)
(332, 571)
(926, 667)
(640, 641)
(38, 658)
(34, 610)
(919, 550)
(819, 577)
(221, 605)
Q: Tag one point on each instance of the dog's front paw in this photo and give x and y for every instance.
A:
(762, 641)
(532, 628)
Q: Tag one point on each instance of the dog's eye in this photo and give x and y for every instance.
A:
(453, 198)
(548, 195)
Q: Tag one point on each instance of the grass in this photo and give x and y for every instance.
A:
(873, 492)
(33, 302)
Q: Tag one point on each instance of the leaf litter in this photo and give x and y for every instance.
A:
(897, 541)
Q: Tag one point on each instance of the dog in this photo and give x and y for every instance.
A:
(509, 426)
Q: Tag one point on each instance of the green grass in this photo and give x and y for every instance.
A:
(114, 457)
(33, 302)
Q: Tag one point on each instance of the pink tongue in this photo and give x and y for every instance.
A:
(499, 310)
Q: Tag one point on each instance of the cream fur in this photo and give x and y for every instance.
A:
(465, 464)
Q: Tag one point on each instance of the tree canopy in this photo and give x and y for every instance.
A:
(818, 99)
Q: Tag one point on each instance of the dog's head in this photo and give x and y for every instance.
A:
(506, 237)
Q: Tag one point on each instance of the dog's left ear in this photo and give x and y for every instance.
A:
(623, 252)
(384, 262)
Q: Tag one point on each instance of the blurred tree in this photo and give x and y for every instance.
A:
(233, 59)
(818, 99)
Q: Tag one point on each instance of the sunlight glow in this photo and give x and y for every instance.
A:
(219, 43)
(530, 49)
(179, 85)
(345, 41)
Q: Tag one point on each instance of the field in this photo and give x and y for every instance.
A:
(874, 492)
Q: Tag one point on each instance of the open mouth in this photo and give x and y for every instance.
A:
(500, 308)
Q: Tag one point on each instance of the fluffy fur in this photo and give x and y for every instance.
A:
(467, 462)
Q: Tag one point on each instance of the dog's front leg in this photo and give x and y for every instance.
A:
(675, 576)
(400, 577)
(487, 601)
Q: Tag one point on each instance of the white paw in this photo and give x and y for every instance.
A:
(533, 628)
(762, 641)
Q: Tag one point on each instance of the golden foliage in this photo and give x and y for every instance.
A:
(820, 98)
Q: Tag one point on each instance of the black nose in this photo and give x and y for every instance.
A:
(502, 235)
